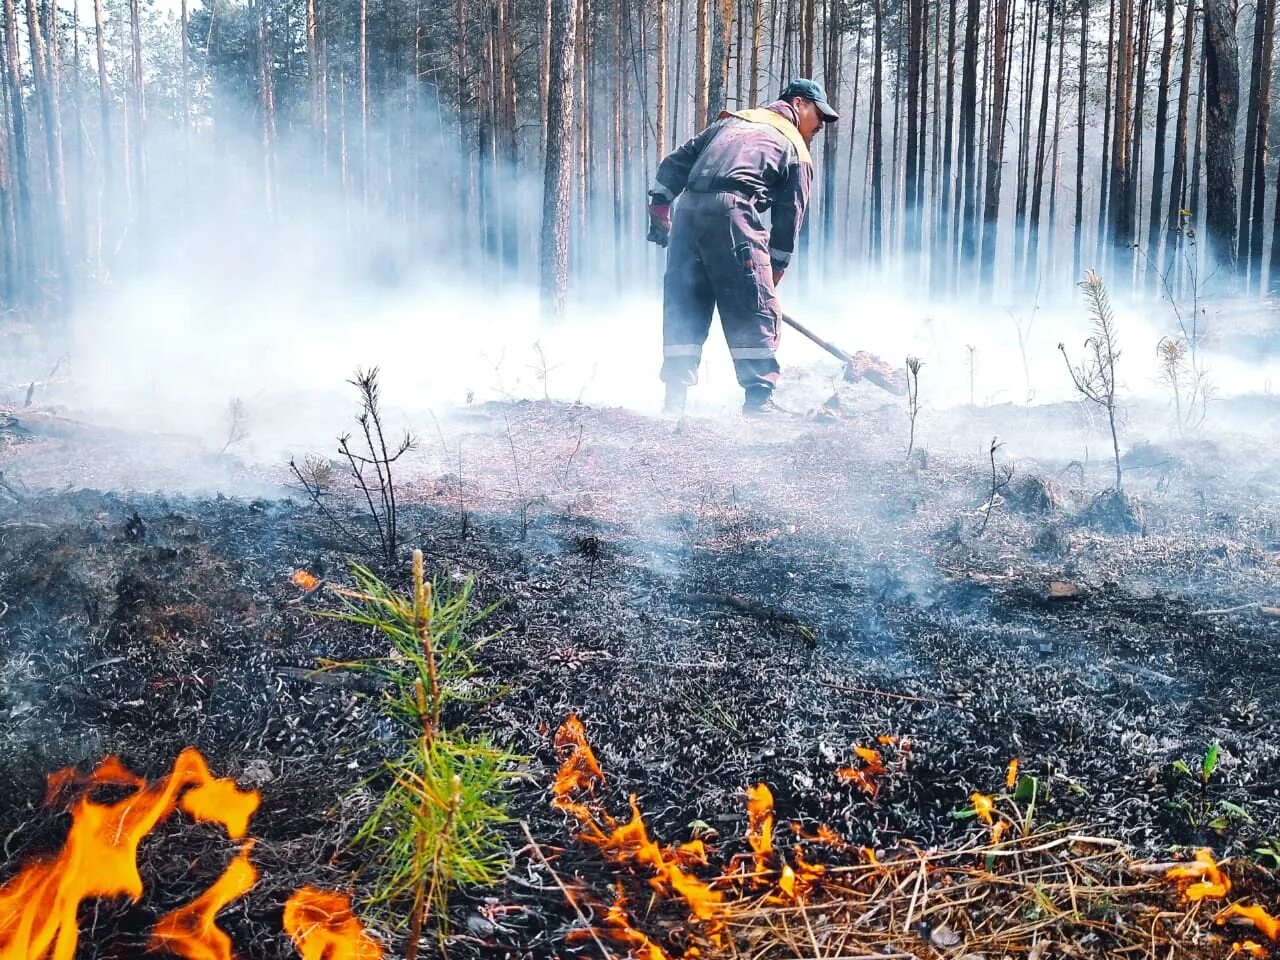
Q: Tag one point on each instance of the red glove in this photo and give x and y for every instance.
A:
(659, 223)
(777, 275)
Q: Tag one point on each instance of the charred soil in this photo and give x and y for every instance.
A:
(722, 605)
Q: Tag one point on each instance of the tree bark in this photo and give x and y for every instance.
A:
(757, 29)
(968, 139)
(1173, 232)
(1076, 265)
(660, 111)
(915, 40)
(557, 174)
(1222, 102)
(876, 135)
(1154, 232)
(1104, 190)
(1260, 143)
(995, 146)
(1042, 139)
(942, 243)
(139, 103)
(702, 72)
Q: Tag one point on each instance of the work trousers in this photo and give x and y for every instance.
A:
(718, 257)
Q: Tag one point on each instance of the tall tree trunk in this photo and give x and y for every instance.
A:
(1260, 142)
(721, 32)
(1172, 232)
(968, 139)
(106, 148)
(557, 176)
(660, 111)
(942, 230)
(1250, 135)
(1222, 102)
(1197, 152)
(757, 31)
(139, 102)
(875, 137)
(1121, 231)
(831, 63)
(364, 99)
(51, 121)
(995, 146)
(267, 105)
(1133, 170)
(1154, 232)
(617, 159)
(19, 284)
(915, 40)
(1076, 265)
(1104, 188)
(1030, 264)
(1055, 157)
(702, 73)
(1026, 96)
(464, 193)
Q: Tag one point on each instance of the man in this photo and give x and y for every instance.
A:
(720, 254)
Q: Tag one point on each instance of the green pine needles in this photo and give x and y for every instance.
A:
(437, 826)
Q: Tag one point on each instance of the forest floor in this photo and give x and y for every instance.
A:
(722, 603)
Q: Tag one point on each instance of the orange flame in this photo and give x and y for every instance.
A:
(304, 580)
(865, 777)
(99, 859)
(323, 927)
(1011, 775)
(983, 805)
(1210, 882)
(1261, 920)
(190, 931)
(38, 907)
(760, 824)
(579, 769)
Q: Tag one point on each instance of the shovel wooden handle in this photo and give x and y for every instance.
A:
(826, 345)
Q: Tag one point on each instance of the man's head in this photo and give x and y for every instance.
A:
(809, 101)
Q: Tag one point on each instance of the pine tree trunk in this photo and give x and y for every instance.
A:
(942, 245)
(1026, 96)
(1172, 231)
(1222, 102)
(1055, 160)
(139, 102)
(968, 226)
(757, 29)
(1104, 174)
(995, 146)
(1076, 265)
(557, 176)
(51, 122)
(1250, 135)
(911, 222)
(702, 73)
(1030, 264)
(1154, 232)
(1121, 232)
(876, 135)
(1133, 172)
(267, 104)
(16, 284)
(830, 141)
(1268, 8)
(660, 111)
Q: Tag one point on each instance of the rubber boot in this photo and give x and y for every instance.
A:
(673, 405)
(759, 403)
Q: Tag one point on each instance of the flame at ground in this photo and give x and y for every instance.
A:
(324, 928)
(99, 859)
(190, 931)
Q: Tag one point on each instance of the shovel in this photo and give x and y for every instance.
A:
(857, 366)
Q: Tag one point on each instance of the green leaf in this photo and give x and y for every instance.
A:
(1237, 811)
(1026, 790)
(1219, 823)
(1210, 762)
(1180, 766)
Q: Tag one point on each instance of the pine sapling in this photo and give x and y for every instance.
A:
(999, 480)
(1095, 377)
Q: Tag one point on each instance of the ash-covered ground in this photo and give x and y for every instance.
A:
(721, 602)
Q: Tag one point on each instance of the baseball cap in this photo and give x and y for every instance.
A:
(811, 90)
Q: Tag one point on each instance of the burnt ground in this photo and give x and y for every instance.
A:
(721, 603)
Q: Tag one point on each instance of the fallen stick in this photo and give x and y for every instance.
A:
(871, 691)
(1258, 605)
(537, 852)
